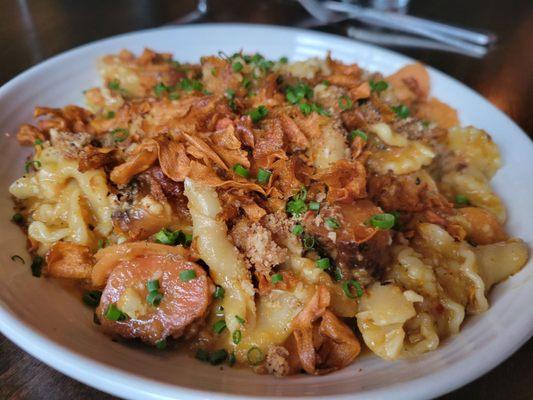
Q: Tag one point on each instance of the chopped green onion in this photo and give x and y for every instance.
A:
(332, 223)
(425, 123)
(461, 200)
(255, 356)
(240, 320)
(174, 96)
(263, 176)
(402, 111)
(326, 83)
(257, 114)
(36, 164)
(114, 314)
(299, 92)
(314, 205)
(119, 134)
(305, 108)
(17, 218)
(237, 66)
(241, 171)
(237, 336)
(296, 207)
(246, 83)
(160, 88)
(17, 257)
(218, 357)
(36, 266)
(378, 86)
(219, 311)
(360, 133)
(318, 109)
(232, 359)
(92, 298)
(323, 263)
(283, 60)
(213, 71)
(308, 242)
(114, 84)
(152, 285)
(38, 142)
(276, 278)
(191, 84)
(337, 274)
(110, 114)
(154, 298)
(302, 194)
(352, 283)
(166, 236)
(345, 103)
(382, 221)
(161, 344)
(219, 292)
(202, 355)
(297, 229)
(187, 275)
(219, 326)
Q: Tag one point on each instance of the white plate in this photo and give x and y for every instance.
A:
(52, 325)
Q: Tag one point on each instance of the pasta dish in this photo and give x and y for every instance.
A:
(269, 213)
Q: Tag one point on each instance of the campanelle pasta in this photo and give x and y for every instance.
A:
(263, 212)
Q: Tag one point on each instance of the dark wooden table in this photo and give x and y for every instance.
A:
(31, 31)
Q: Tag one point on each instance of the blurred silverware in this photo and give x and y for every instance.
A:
(398, 40)
(464, 41)
(193, 16)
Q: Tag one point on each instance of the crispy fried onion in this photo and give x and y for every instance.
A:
(346, 181)
(108, 257)
(179, 160)
(324, 346)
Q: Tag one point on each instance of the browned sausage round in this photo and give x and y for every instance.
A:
(186, 293)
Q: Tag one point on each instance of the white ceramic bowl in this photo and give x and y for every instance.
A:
(53, 325)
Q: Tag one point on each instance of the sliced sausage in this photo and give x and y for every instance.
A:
(186, 293)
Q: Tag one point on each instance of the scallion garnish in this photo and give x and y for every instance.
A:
(345, 103)
(332, 223)
(202, 355)
(240, 320)
(255, 356)
(160, 88)
(323, 263)
(314, 205)
(35, 164)
(461, 200)
(110, 114)
(283, 60)
(92, 298)
(349, 284)
(161, 344)
(219, 293)
(276, 278)
(219, 326)
(187, 275)
(38, 142)
(382, 221)
(305, 108)
(402, 111)
(36, 266)
(174, 96)
(296, 207)
(378, 86)
(154, 298)
(237, 66)
(358, 132)
(17, 257)
(297, 229)
(152, 285)
(119, 134)
(263, 176)
(308, 242)
(17, 218)
(112, 313)
(241, 171)
(257, 114)
(218, 357)
(173, 238)
(299, 92)
(236, 336)
(114, 84)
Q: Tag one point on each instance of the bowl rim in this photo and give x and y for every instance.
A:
(131, 385)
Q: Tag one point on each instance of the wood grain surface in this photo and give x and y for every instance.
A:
(31, 31)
